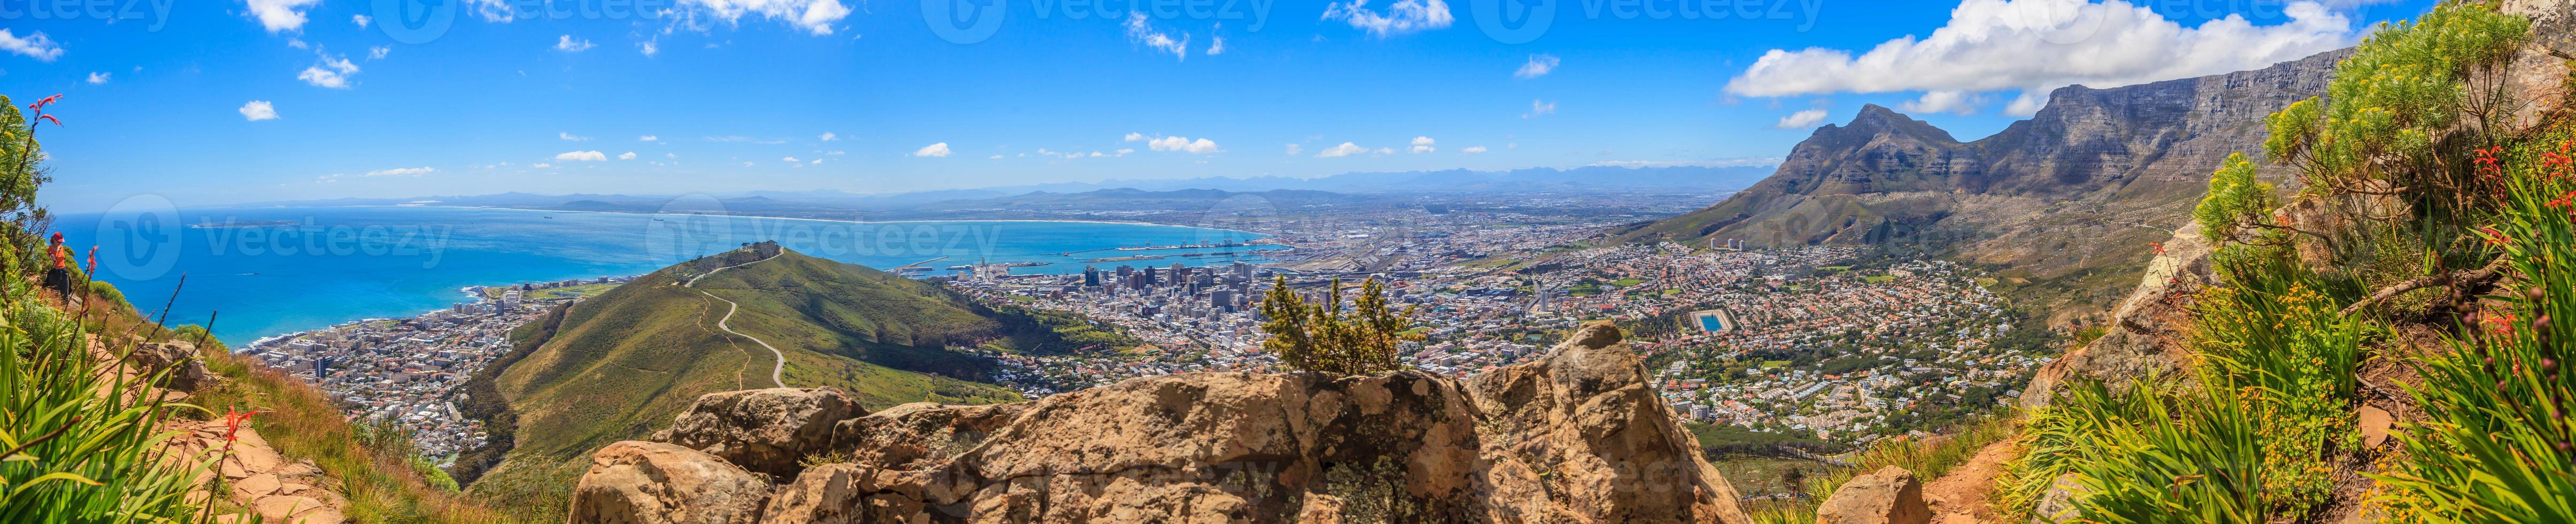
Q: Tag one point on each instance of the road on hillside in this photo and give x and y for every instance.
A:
(774, 371)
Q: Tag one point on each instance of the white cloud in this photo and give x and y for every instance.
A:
(378, 52)
(1293, 149)
(2034, 46)
(96, 78)
(1422, 144)
(258, 110)
(1174, 143)
(408, 171)
(542, 165)
(297, 43)
(569, 137)
(1802, 119)
(997, 157)
(34, 45)
(827, 136)
(1539, 65)
(361, 20)
(1346, 149)
(1216, 46)
(790, 160)
(649, 48)
(815, 16)
(648, 138)
(493, 10)
(1403, 16)
(1473, 150)
(569, 45)
(280, 15)
(1540, 108)
(630, 155)
(332, 72)
(939, 150)
(582, 156)
(1141, 31)
(1955, 102)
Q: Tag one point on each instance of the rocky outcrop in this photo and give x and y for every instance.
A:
(1890, 495)
(178, 359)
(2148, 336)
(656, 483)
(763, 430)
(2058, 504)
(1578, 436)
(2535, 78)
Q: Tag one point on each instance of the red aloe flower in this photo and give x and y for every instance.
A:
(2502, 323)
(2495, 238)
(49, 118)
(2563, 201)
(2160, 247)
(233, 423)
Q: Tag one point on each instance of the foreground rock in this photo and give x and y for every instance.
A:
(1576, 437)
(178, 359)
(1889, 496)
(2148, 336)
(762, 430)
(653, 483)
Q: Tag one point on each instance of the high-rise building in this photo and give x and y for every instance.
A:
(1090, 276)
(1149, 275)
(1243, 269)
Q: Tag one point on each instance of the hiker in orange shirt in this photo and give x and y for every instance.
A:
(59, 277)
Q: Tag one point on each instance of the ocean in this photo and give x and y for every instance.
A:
(263, 272)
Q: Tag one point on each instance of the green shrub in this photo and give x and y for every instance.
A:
(1323, 337)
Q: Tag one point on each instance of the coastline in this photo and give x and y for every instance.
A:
(975, 220)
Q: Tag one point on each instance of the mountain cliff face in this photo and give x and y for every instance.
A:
(1578, 436)
(2067, 202)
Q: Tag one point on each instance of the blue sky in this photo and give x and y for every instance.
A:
(517, 95)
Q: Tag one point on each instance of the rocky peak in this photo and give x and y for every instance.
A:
(1578, 436)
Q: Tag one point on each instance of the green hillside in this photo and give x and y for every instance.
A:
(620, 366)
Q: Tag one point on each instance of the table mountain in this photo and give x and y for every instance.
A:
(2066, 203)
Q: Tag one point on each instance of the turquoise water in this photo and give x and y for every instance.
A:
(274, 271)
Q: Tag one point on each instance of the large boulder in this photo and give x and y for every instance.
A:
(1588, 417)
(1576, 437)
(2535, 78)
(762, 430)
(178, 359)
(655, 483)
(1889, 496)
(2148, 336)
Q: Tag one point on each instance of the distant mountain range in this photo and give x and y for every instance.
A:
(1344, 187)
(2067, 202)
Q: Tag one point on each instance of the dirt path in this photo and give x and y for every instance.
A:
(774, 372)
(1960, 497)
